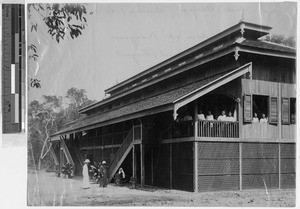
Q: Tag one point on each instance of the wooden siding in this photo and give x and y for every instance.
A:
(271, 68)
(273, 132)
(260, 131)
(289, 132)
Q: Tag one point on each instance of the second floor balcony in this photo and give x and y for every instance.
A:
(204, 128)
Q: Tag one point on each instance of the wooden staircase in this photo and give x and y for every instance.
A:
(67, 153)
(122, 152)
(54, 155)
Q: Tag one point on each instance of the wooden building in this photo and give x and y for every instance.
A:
(149, 123)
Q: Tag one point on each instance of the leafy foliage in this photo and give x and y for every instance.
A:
(35, 83)
(60, 19)
(46, 118)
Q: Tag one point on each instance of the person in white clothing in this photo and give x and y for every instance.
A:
(230, 117)
(209, 116)
(85, 173)
(222, 117)
(255, 118)
(263, 119)
(201, 115)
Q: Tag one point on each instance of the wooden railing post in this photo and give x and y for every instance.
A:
(195, 119)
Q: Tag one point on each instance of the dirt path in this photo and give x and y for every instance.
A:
(46, 189)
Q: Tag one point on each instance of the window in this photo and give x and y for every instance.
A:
(285, 107)
(261, 106)
(293, 110)
(247, 108)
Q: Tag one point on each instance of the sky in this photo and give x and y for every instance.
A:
(122, 40)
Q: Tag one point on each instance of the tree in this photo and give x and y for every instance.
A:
(48, 117)
(77, 99)
(281, 39)
(60, 20)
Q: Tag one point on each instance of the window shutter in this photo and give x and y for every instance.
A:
(273, 110)
(285, 111)
(247, 108)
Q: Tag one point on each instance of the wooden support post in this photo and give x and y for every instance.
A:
(240, 110)
(152, 165)
(195, 148)
(171, 166)
(241, 165)
(133, 162)
(195, 119)
(142, 152)
(279, 111)
(279, 165)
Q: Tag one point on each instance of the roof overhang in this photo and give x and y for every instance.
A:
(168, 101)
(247, 68)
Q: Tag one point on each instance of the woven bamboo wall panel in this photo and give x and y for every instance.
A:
(259, 150)
(182, 166)
(161, 166)
(182, 181)
(213, 150)
(182, 150)
(259, 166)
(219, 166)
(217, 183)
(288, 181)
(260, 181)
(288, 151)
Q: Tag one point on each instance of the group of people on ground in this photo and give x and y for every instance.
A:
(102, 175)
(263, 118)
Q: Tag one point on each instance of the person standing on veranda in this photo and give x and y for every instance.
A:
(85, 173)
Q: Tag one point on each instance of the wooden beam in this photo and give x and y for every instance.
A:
(137, 141)
(100, 147)
(177, 140)
(250, 140)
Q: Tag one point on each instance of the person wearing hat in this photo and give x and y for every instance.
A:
(103, 174)
(85, 173)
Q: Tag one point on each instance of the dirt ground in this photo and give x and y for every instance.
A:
(47, 189)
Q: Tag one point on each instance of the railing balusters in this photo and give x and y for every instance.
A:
(226, 129)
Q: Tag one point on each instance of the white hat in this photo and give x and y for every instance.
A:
(87, 161)
(103, 162)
